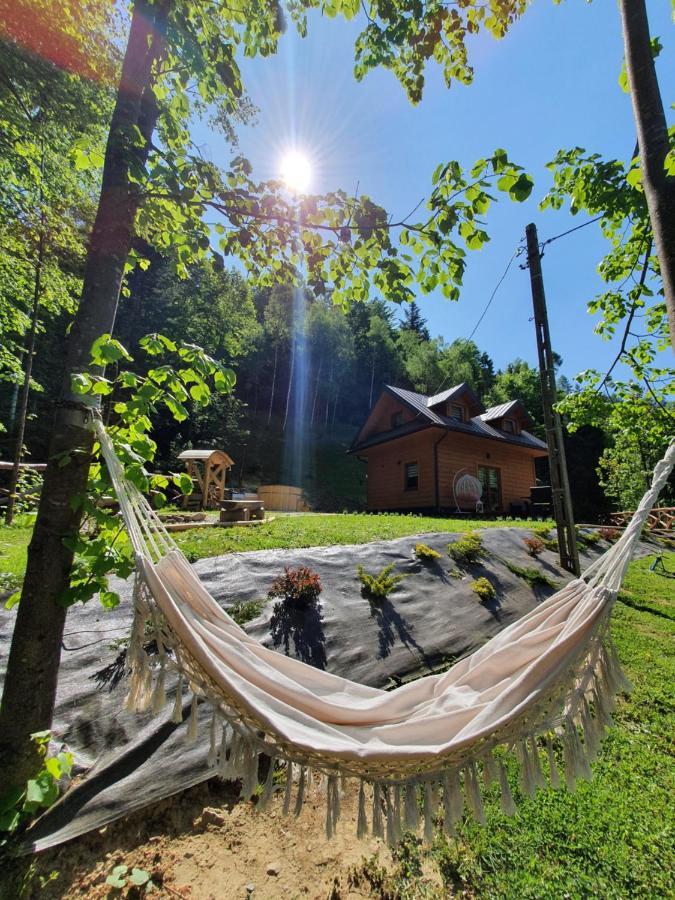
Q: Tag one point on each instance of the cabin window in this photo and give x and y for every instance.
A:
(397, 419)
(412, 478)
(509, 426)
(455, 411)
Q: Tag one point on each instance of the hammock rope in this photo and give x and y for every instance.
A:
(543, 688)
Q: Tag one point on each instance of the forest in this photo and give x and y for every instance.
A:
(344, 360)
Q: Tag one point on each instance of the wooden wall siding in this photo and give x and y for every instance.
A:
(386, 472)
(515, 464)
(380, 417)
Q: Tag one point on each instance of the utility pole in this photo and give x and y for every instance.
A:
(560, 486)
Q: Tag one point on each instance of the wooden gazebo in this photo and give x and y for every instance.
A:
(208, 470)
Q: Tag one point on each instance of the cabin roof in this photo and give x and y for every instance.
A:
(510, 408)
(455, 393)
(478, 426)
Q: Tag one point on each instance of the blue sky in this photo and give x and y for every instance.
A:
(551, 83)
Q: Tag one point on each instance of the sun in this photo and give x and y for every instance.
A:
(296, 171)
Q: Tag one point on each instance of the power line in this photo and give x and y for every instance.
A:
(576, 228)
(516, 253)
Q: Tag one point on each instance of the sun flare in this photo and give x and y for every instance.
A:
(296, 171)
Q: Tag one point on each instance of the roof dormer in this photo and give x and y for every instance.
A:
(510, 418)
(458, 403)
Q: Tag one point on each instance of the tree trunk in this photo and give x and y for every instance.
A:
(290, 386)
(652, 135)
(274, 381)
(328, 393)
(337, 394)
(372, 381)
(33, 663)
(316, 390)
(25, 388)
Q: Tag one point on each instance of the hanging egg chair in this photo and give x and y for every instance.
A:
(467, 491)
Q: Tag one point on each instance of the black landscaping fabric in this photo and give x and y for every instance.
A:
(430, 619)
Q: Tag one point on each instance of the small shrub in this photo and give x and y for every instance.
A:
(246, 611)
(484, 589)
(609, 534)
(28, 488)
(378, 586)
(543, 532)
(468, 549)
(426, 554)
(300, 586)
(534, 545)
(533, 576)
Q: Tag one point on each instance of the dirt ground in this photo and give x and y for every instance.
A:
(205, 845)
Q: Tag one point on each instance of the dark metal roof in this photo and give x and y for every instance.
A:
(417, 402)
(504, 409)
(455, 392)
(478, 426)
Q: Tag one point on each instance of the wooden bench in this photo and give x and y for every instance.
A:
(241, 510)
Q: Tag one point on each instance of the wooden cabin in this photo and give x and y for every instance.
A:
(208, 470)
(416, 446)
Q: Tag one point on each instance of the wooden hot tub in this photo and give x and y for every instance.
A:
(282, 497)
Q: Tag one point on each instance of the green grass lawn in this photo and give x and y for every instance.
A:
(322, 530)
(614, 837)
(13, 548)
(284, 532)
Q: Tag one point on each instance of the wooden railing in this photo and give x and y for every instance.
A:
(659, 519)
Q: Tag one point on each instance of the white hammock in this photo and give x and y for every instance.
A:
(552, 675)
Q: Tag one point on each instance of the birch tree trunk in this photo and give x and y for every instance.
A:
(274, 381)
(337, 394)
(290, 386)
(25, 387)
(316, 391)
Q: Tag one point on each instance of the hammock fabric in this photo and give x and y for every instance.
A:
(546, 683)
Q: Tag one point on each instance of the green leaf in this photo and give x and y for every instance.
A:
(200, 393)
(66, 760)
(522, 188)
(634, 177)
(10, 820)
(10, 800)
(139, 877)
(53, 766)
(12, 600)
(184, 483)
(670, 163)
(107, 350)
(109, 599)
